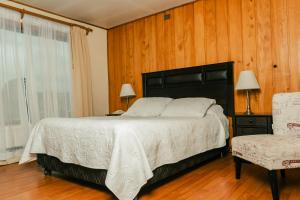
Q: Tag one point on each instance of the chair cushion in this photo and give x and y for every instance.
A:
(269, 151)
(286, 113)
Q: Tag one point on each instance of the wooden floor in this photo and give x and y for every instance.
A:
(214, 180)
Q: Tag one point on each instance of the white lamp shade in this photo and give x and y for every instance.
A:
(127, 90)
(247, 81)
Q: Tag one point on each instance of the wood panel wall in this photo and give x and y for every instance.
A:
(255, 34)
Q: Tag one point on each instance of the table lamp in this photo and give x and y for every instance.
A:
(127, 92)
(247, 82)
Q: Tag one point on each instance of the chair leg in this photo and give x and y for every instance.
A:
(238, 167)
(274, 184)
(282, 172)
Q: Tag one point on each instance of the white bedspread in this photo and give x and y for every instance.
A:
(129, 148)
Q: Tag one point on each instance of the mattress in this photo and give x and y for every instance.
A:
(129, 148)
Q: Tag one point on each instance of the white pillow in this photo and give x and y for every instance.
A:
(148, 107)
(188, 107)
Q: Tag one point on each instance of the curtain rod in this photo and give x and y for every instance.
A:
(23, 11)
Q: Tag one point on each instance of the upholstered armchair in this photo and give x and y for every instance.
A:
(275, 152)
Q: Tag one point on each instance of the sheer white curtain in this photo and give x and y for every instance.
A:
(35, 78)
(48, 68)
(14, 127)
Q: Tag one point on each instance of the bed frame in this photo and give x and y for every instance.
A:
(212, 81)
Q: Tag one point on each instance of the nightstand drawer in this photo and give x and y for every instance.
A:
(251, 131)
(251, 121)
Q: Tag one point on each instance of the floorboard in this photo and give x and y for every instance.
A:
(214, 180)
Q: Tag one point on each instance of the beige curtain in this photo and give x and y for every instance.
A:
(82, 82)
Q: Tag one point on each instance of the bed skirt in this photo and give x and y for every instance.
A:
(97, 176)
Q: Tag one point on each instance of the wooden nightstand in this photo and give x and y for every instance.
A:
(252, 124)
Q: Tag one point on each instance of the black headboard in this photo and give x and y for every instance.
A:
(213, 81)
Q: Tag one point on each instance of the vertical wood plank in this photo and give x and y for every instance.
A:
(280, 50)
(111, 70)
(139, 55)
(179, 36)
(210, 31)
(169, 41)
(294, 44)
(150, 44)
(124, 63)
(222, 30)
(118, 66)
(199, 28)
(236, 46)
(188, 41)
(123, 54)
(249, 43)
(264, 55)
(160, 45)
(129, 53)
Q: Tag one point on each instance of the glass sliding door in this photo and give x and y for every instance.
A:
(35, 78)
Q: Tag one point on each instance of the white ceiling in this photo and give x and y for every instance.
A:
(105, 13)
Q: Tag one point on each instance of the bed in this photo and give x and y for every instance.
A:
(212, 81)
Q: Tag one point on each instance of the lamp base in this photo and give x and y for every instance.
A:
(248, 112)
